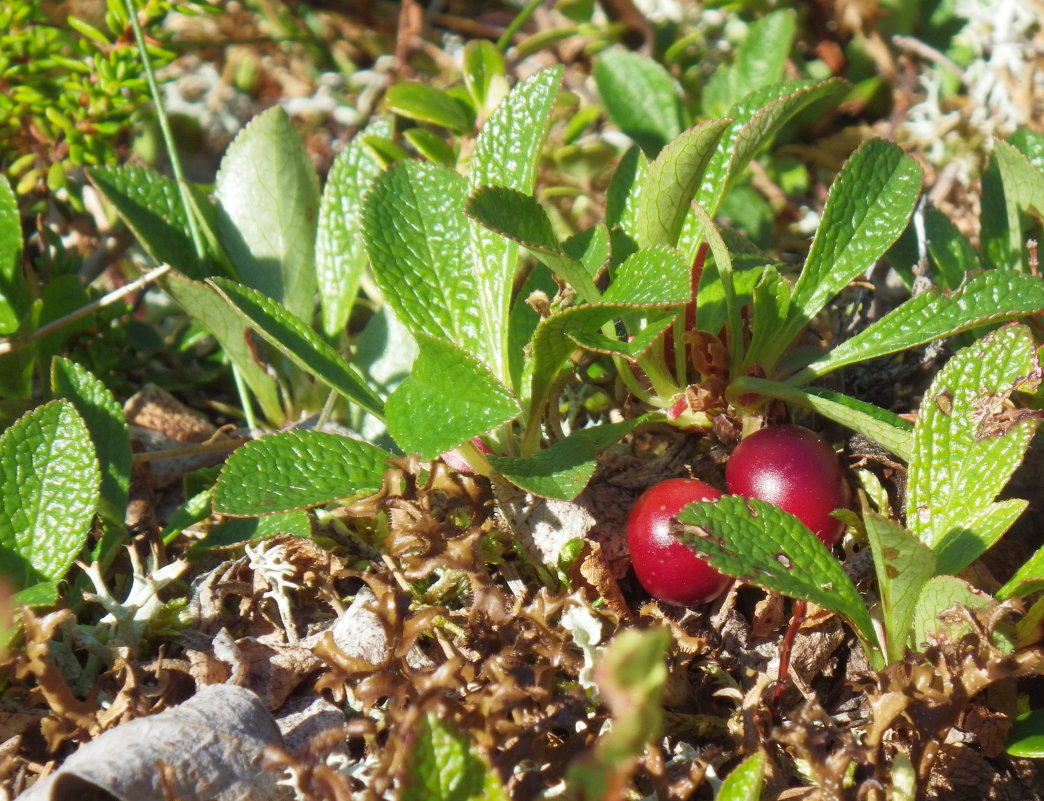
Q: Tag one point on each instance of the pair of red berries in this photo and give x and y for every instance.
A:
(788, 466)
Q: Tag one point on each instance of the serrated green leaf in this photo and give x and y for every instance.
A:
(723, 268)
(44, 594)
(483, 69)
(444, 765)
(14, 294)
(903, 566)
(623, 194)
(763, 545)
(966, 447)
(671, 183)
(640, 96)
(744, 783)
(989, 297)
(449, 398)
(203, 303)
(591, 247)
(652, 275)
(882, 426)
(953, 254)
(305, 347)
(416, 235)
(1026, 738)
(562, 470)
(757, 118)
(340, 257)
(937, 596)
(150, 206)
(1030, 144)
(507, 151)
(108, 429)
(250, 529)
(419, 101)
(634, 348)
(770, 302)
(268, 202)
(522, 219)
(297, 470)
(867, 208)
(50, 493)
(551, 346)
(1027, 580)
(759, 62)
(1011, 187)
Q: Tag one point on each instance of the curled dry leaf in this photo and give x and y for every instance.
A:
(211, 747)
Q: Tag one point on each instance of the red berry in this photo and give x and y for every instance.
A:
(796, 470)
(665, 567)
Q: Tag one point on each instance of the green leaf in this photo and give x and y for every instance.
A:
(1031, 145)
(624, 192)
(1026, 738)
(634, 348)
(671, 183)
(449, 398)
(903, 566)
(297, 470)
(418, 101)
(430, 145)
(988, 297)
(562, 470)
(770, 302)
(1011, 188)
(268, 202)
(42, 595)
(757, 118)
(640, 96)
(551, 345)
(967, 445)
(483, 70)
(249, 529)
(866, 210)
(592, 247)
(1027, 580)
(204, 304)
(340, 257)
(444, 765)
(416, 235)
(882, 426)
(759, 62)
(937, 596)
(522, 219)
(507, 151)
(150, 206)
(744, 783)
(108, 429)
(763, 545)
(304, 346)
(50, 493)
(953, 254)
(14, 294)
(651, 275)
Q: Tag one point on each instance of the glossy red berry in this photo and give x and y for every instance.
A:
(666, 568)
(796, 470)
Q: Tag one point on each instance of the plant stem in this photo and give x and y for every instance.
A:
(516, 24)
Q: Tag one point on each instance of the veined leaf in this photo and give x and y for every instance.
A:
(763, 545)
(903, 566)
(14, 294)
(882, 426)
(203, 302)
(108, 429)
(953, 254)
(150, 206)
(418, 101)
(49, 495)
(633, 349)
(937, 596)
(416, 234)
(340, 257)
(671, 183)
(444, 765)
(1027, 580)
(967, 444)
(507, 151)
(988, 297)
(449, 398)
(641, 97)
(623, 195)
(296, 339)
(562, 470)
(744, 783)
(297, 470)
(651, 275)
(268, 198)
(867, 208)
(1011, 188)
(522, 219)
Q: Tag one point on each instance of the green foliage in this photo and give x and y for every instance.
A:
(444, 765)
